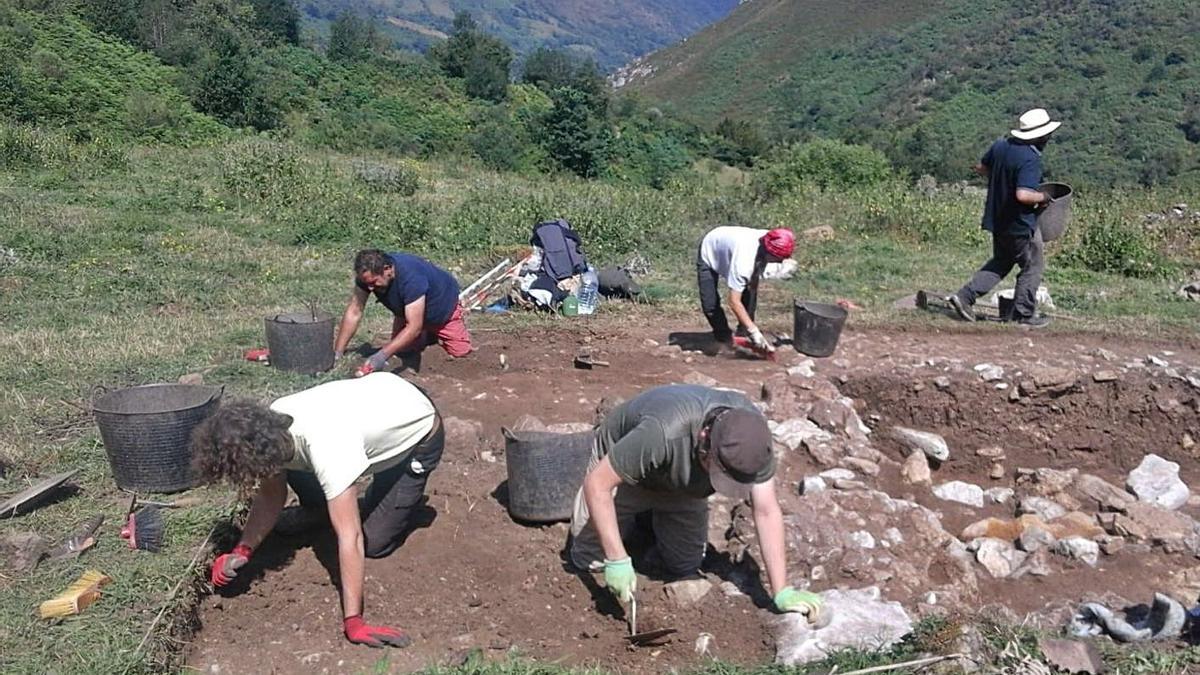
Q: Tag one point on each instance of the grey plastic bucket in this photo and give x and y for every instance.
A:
(1053, 219)
(147, 433)
(301, 341)
(545, 471)
(818, 326)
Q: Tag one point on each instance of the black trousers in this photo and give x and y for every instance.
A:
(710, 301)
(392, 500)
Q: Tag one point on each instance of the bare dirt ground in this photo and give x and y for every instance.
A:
(476, 580)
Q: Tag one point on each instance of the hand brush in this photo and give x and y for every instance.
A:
(144, 529)
(76, 598)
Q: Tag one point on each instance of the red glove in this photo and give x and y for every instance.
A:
(226, 565)
(358, 632)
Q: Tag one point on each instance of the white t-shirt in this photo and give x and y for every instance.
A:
(346, 428)
(731, 251)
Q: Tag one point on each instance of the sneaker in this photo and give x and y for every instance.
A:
(1035, 321)
(962, 309)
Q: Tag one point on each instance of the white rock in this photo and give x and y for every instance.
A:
(998, 557)
(1155, 361)
(998, 495)
(812, 485)
(1046, 509)
(961, 492)
(796, 431)
(916, 469)
(838, 474)
(687, 592)
(1156, 481)
(861, 621)
(862, 539)
(1079, 548)
(989, 373)
(931, 444)
(803, 369)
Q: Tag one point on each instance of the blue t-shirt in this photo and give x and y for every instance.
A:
(416, 277)
(1011, 165)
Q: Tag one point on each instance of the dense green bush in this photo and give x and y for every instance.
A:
(823, 163)
(263, 170)
(23, 147)
(1111, 243)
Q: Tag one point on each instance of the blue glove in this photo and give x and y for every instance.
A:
(620, 578)
(374, 362)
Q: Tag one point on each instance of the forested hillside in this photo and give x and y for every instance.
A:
(931, 82)
(612, 32)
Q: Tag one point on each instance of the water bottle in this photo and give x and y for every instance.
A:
(589, 291)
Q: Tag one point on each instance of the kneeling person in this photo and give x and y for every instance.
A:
(665, 451)
(321, 441)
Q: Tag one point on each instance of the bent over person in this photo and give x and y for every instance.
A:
(738, 255)
(1013, 168)
(664, 452)
(422, 297)
(320, 442)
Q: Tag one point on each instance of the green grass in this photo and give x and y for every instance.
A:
(165, 264)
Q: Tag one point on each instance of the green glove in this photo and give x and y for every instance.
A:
(620, 578)
(789, 599)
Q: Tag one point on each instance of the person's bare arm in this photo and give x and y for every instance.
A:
(1030, 197)
(264, 510)
(982, 169)
(739, 310)
(768, 523)
(414, 326)
(598, 494)
(350, 319)
(343, 515)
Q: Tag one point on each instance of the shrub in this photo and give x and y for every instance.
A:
(399, 178)
(1112, 244)
(258, 169)
(823, 163)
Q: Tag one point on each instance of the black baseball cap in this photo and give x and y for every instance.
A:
(740, 452)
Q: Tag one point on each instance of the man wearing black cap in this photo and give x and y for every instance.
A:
(665, 451)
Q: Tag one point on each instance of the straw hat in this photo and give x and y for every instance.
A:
(1035, 124)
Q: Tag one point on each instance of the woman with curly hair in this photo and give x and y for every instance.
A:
(320, 442)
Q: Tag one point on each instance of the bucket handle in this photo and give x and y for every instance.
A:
(218, 394)
(98, 390)
(508, 433)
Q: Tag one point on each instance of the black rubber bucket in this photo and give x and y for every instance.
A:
(818, 327)
(545, 470)
(147, 433)
(1053, 219)
(301, 342)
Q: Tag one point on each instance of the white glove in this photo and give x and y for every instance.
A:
(760, 342)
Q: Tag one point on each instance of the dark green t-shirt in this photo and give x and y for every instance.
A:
(651, 439)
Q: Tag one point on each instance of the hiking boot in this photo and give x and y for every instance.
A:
(1035, 321)
(962, 309)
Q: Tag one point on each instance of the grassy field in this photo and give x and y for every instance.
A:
(125, 266)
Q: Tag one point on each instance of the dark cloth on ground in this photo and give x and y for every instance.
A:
(1011, 164)
(618, 282)
(393, 499)
(417, 277)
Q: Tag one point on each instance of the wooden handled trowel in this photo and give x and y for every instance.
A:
(650, 637)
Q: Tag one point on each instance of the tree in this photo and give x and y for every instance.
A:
(229, 88)
(738, 143)
(550, 69)
(278, 18)
(352, 38)
(573, 136)
(482, 60)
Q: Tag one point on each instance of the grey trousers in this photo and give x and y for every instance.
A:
(1009, 251)
(680, 527)
(710, 301)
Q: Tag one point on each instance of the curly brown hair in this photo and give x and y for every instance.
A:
(241, 443)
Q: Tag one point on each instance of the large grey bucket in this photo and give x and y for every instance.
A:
(817, 327)
(1053, 219)
(301, 341)
(545, 470)
(147, 433)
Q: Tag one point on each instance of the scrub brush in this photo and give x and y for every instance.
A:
(77, 597)
(144, 529)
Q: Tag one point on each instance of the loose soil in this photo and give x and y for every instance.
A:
(475, 580)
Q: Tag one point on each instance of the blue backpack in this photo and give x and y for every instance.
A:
(561, 257)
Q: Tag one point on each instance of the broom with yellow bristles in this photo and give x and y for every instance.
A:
(77, 597)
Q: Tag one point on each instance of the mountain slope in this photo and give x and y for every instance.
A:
(930, 83)
(612, 32)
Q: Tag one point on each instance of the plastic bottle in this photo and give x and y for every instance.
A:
(589, 291)
(570, 306)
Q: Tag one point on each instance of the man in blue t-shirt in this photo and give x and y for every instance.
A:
(1013, 168)
(424, 301)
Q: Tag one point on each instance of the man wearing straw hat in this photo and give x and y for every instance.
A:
(1013, 168)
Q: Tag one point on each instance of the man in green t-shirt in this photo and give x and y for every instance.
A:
(665, 451)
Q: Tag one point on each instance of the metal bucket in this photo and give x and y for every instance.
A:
(817, 327)
(1053, 219)
(545, 471)
(147, 433)
(301, 341)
